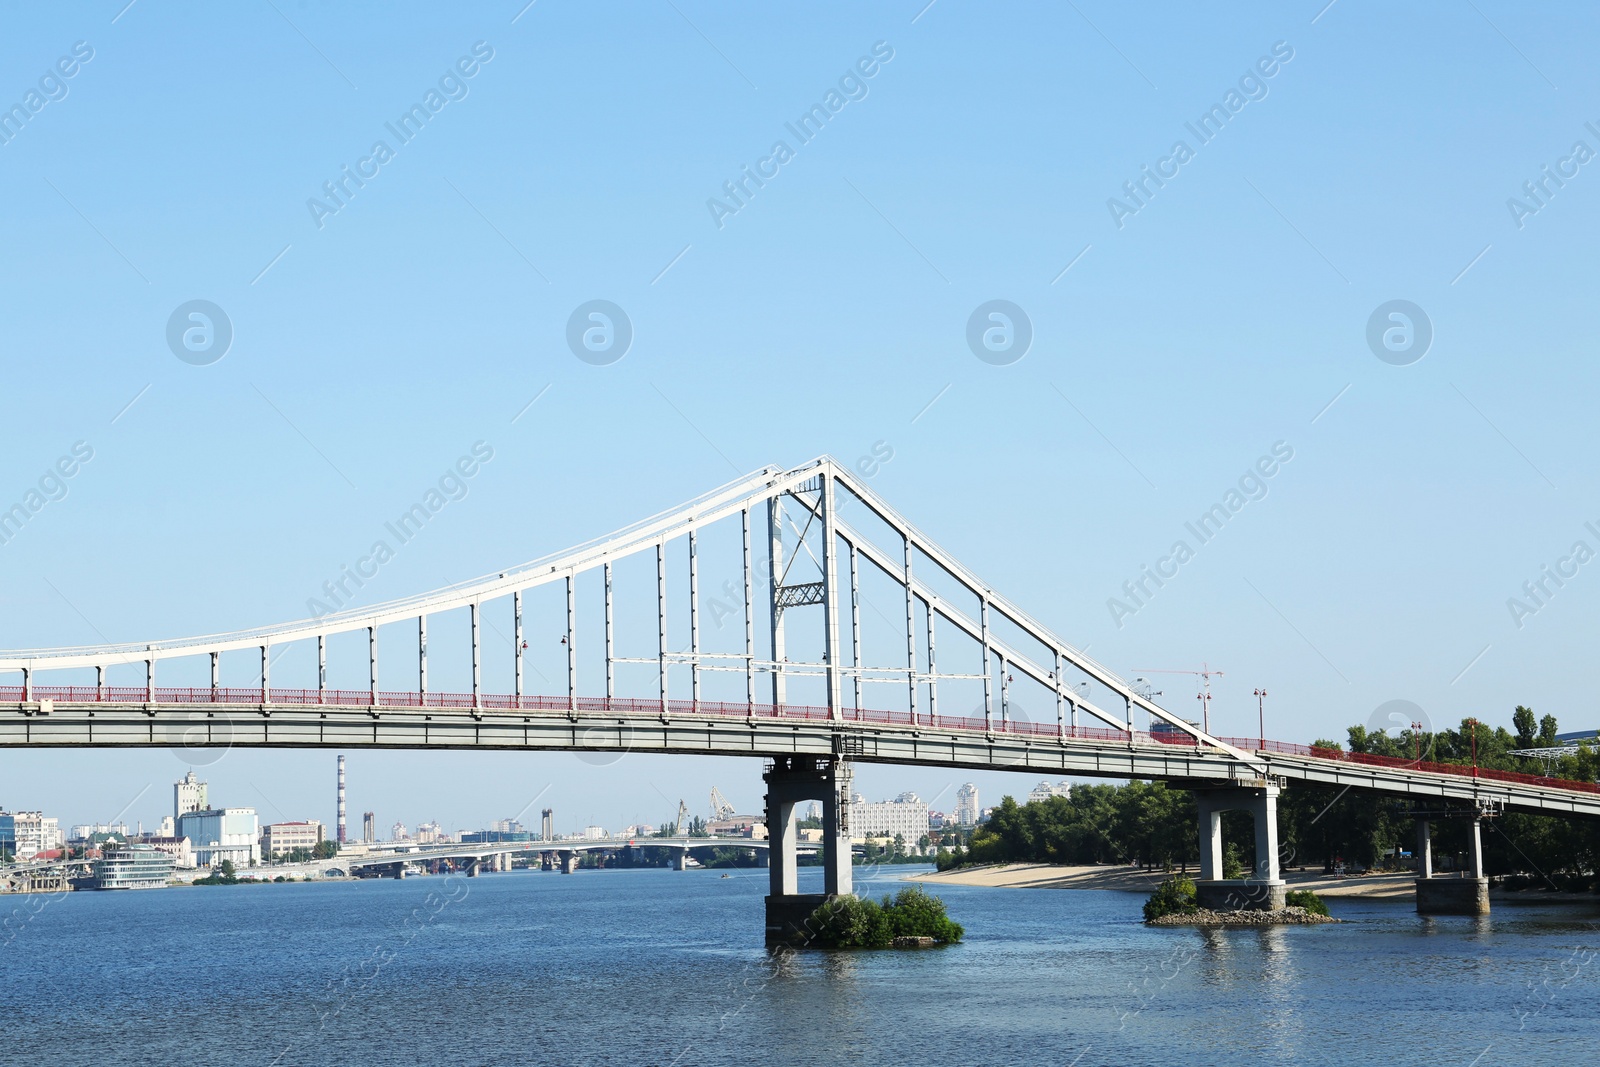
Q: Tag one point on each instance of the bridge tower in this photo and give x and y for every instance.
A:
(793, 780)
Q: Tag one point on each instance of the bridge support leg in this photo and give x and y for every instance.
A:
(1264, 889)
(473, 868)
(680, 862)
(1467, 894)
(569, 862)
(791, 781)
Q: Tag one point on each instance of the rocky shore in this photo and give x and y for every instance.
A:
(1281, 917)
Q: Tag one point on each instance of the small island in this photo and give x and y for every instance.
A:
(1174, 904)
(910, 919)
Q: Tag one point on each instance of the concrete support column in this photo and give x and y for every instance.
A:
(1475, 849)
(1264, 889)
(783, 879)
(680, 862)
(1265, 810)
(1424, 849)
(793, 780)
(472, 868)
(1210, 839)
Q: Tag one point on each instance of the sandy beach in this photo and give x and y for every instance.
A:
(1134, 880)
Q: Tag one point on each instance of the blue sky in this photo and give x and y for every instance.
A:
(374, 345)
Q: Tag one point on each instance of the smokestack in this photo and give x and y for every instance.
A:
(341, 800)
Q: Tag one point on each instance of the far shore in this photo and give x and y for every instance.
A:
(1134, 880)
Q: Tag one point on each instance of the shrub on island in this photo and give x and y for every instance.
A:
(855, 922)
(1175, 896)
(1305, 898)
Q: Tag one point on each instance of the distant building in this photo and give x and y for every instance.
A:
(369, 828)
(218, 834)
(733, 825)
(594, 833)
(1044, 791)
(905, 815)
(96, 832)
(398, 832)
(967, 805)
(281, 838)
(507, 826)
(176, 847)
(25, 834)
(430, 833)
(188, 795)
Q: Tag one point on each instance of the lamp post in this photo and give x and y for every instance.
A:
(1261, 718)
(1416, 740)
(1472, 724)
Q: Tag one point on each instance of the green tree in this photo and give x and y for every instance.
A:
(1523, 722)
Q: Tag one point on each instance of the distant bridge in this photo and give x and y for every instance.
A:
(843, 527)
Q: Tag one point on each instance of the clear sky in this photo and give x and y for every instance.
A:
(1180, 333)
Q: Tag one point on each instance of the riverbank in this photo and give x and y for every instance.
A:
(1133, 880)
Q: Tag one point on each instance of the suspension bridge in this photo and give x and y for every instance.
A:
(806, 549)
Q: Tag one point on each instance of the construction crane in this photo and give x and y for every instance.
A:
(1204, 696)
(720, 808)
(681, 827)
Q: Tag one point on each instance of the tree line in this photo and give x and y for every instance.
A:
(1153, 826)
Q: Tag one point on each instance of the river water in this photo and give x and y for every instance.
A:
(641, 967)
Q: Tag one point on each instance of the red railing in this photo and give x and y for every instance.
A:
(362, 698)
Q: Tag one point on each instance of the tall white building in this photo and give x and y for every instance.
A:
(906, 815)
(188, 795)
(1044, 791)
(967, 805)
(217, 834)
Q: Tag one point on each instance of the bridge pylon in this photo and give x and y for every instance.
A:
(791, 781)
(1264, 889)
(1468, 892)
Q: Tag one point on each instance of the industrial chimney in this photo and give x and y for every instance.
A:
(341, 800)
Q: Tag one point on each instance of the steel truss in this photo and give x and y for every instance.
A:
(816, 494)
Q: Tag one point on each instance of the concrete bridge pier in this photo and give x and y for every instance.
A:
(473, 867)
(1264, 889)
(680, 861)
(791, 781)
(569, 862)
(399, 870)
(547, 861)
(1465, 894)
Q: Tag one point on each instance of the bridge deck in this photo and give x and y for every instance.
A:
(70, 717)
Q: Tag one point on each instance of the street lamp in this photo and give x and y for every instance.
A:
(1261, 716)
(1472, 724)
(1416, 740)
